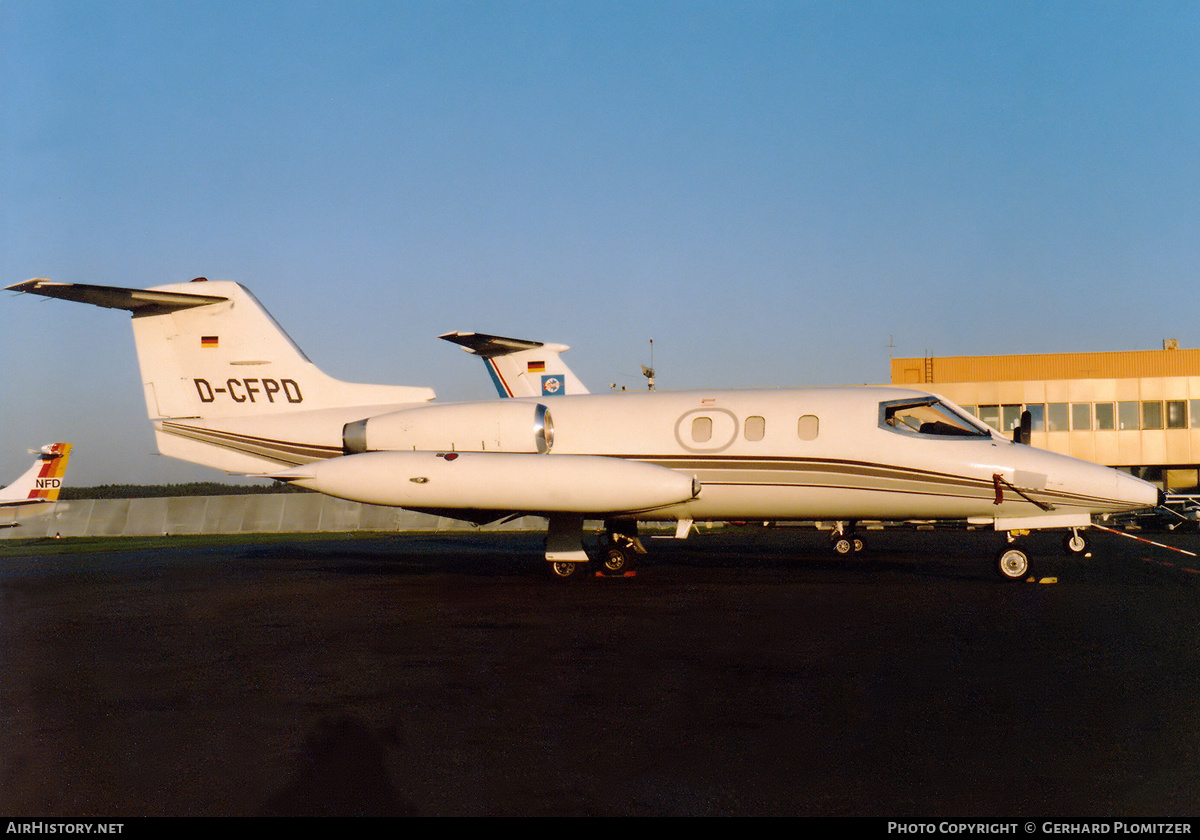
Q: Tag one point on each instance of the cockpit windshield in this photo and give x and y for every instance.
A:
(930, 416)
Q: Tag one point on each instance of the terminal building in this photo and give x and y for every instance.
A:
(1138, 411)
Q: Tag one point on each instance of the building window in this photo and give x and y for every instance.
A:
(1127, 416)
(1056, 417)
(1105, 417)
(1194, 413)
(1081, 417)
(1177, 414)
(990, 414)
(702, 429)
(807, 427)
(755, 428)
(1010, 416)
(1037, 417)
(1152, 414)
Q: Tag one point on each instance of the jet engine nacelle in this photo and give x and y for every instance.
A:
(497, 481)
(506, 426)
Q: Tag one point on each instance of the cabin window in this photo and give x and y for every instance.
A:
(755, 428)
(702, 429)
(1105, 417)
(1176, 414)
(807, 427)
(1081, 417)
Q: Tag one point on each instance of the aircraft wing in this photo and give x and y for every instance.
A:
(137, 301)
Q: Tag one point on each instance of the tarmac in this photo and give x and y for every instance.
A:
(740, 672)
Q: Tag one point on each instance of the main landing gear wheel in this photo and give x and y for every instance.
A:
(1013, 563)
(843, 545)
(566, 570)
(619, 548)
(847, 544)
(618, 560)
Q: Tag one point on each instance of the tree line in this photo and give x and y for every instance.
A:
(193, 488)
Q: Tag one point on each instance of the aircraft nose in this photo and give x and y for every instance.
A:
(1110, 490)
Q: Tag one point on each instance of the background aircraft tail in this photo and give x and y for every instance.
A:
(42, 481)
(521, 368)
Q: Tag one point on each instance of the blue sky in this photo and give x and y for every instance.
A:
(773, 192)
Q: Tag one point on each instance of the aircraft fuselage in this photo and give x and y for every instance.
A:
(821, 453)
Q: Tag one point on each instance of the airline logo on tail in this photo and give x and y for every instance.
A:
(42, 482)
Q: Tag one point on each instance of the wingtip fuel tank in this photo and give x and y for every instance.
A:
(525, 483)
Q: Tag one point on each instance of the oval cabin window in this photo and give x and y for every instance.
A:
(807, 428)
(755, 428)
(702, 429)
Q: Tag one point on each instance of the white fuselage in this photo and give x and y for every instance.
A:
(822, 453)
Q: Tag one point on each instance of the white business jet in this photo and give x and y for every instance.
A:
(226, 387)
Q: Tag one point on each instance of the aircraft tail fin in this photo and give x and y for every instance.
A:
(41, 482)
(210, 349)
(521, 368)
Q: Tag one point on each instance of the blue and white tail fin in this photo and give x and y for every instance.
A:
(42, 482)
(521, 368)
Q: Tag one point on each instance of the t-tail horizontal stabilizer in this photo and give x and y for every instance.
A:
(519, 367)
